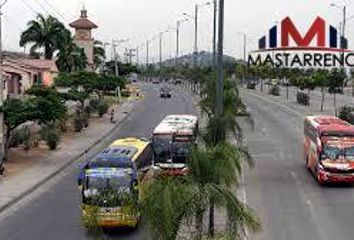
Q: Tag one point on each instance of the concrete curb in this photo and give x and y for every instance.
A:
(66, 165)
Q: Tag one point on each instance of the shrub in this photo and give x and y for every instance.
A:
(81, 120)
(274, 90)
(346, 113)
(102, 108)
(94, 103)
(26, 138)
(15, 139)
(303, 98)
(53, 139)
(50, 135)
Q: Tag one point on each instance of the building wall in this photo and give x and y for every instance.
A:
(88, 46)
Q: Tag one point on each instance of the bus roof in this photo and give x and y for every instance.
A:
(330, 125)
(165, 128)
(130, 147)
(180, 119)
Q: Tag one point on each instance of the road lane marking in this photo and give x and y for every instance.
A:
(309, 204)
(276, 103)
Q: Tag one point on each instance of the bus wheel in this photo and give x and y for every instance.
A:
(319, 179)
(307, 164)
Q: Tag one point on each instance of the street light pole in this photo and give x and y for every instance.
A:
(160, 50)
(220, 73)
(195, 36)
(214, 33)
(114, 45)
(177, 42)
(147, 53)
(2, 137)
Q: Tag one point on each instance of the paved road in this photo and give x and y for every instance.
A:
(290, 203)
(53, 212)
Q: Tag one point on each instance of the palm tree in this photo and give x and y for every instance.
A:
(99, 54)
(71, 57)
(170, 203)
(46, 33)
(214, 170)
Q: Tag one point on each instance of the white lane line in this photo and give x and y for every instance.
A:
(244, 196)
(309, 204)
(275, 103)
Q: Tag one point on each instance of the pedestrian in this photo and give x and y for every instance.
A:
(112, 116)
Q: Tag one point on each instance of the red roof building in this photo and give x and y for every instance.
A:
(83, 36)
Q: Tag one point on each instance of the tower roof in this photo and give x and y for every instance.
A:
(83, 22)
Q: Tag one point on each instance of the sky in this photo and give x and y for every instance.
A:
(142, 20)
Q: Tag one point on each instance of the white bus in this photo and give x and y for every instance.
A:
(172, 140)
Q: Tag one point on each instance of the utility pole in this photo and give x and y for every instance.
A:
(137, 55)
(220, 73)
(147, 53)
(214, 33)
(2, 137)
(195, 36)
(160, 50)
(114, 46)
(177, 42)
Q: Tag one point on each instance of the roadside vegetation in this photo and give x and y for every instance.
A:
(172, 205)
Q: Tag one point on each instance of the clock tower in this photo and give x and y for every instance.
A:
(83, 37)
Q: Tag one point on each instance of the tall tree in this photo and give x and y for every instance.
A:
(321, 78)
(44, 32)
(70, 56)
(99, 54)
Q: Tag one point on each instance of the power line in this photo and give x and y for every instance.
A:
(42, 6)
(29, 7)
(55, 10)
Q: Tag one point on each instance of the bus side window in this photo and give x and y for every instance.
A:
(149, 155)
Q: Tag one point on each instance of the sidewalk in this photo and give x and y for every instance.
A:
(315, 100)
(16, 186)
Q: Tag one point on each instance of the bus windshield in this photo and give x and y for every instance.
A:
(338, 148)
(180, 151)
(107, 190)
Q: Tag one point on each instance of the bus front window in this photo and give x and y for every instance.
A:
(161, 145)
(180, 151)
(349, 153)
(331, 152)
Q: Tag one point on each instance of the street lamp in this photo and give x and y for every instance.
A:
(196, 11)
(115, 44)
(2, 142)
(344, 15)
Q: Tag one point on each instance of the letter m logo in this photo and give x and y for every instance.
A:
(288, 29)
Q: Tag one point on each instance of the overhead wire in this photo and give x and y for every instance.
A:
(57, 12)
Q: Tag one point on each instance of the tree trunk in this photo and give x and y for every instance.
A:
(335, 104)
(287, 91)
(199, 225)
(211, 230)
(322, 99)
(261, 85)
(6, 144)
(308, 94)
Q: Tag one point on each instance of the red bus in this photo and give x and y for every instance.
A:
(329, 149)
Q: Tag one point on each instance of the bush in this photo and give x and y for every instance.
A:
(303, 98)
(15, 139)
(346, 113)
(26, 138)
(81, 120)
(274, 90)
(50, 135)
(94, 103)
(102, 108)
(52, 140)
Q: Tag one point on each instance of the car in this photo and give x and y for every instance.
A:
(165, 92)
(155, 81)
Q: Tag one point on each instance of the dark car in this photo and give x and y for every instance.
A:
(165, 92)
